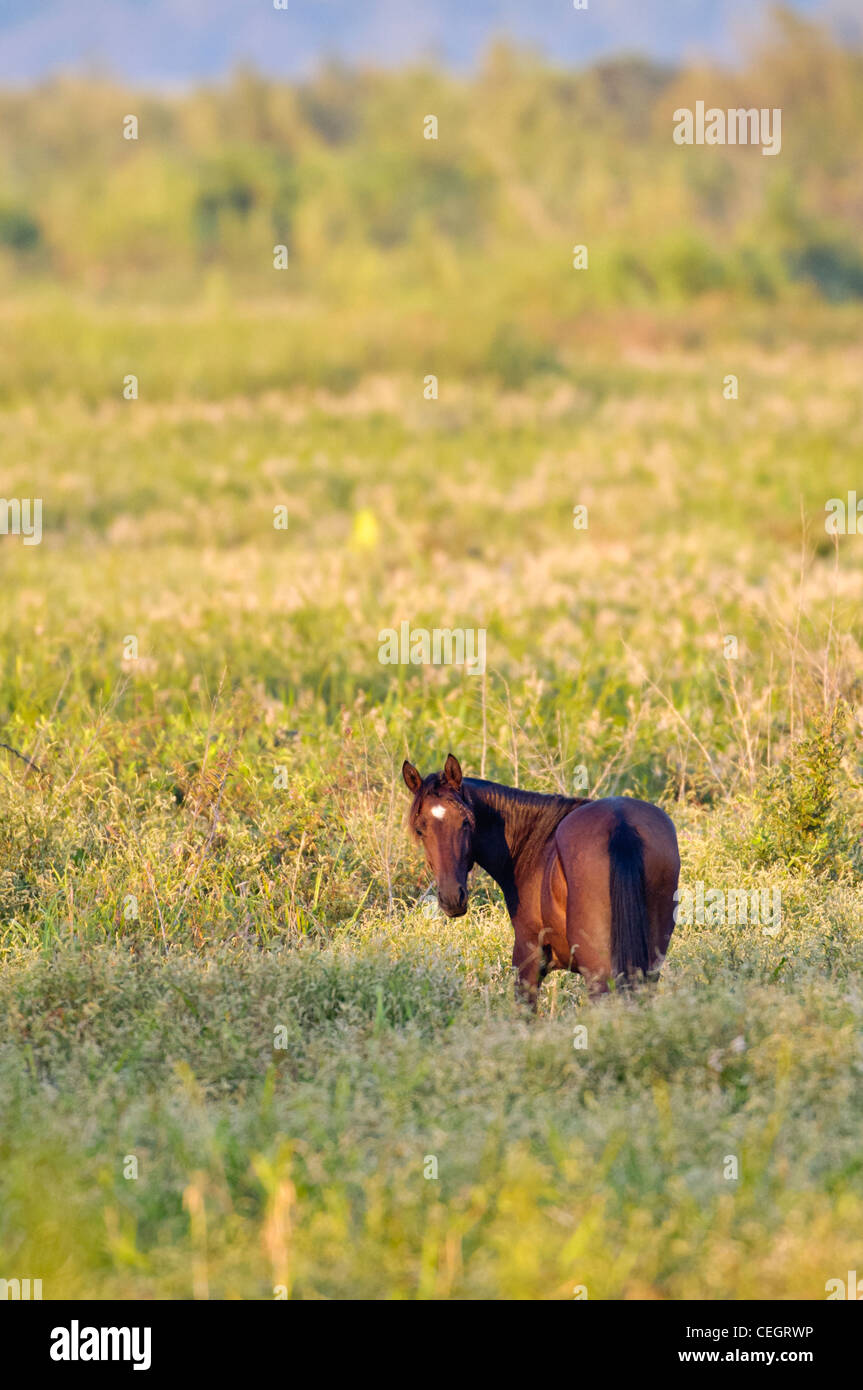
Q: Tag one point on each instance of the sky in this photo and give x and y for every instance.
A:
(175, 42)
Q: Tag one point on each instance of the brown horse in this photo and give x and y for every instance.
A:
(589, 885)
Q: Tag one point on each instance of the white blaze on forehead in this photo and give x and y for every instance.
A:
(438, 812)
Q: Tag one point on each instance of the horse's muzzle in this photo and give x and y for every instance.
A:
(455, 904)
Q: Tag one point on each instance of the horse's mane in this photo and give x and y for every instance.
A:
(530, 818)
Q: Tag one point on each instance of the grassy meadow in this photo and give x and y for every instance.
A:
(241, 1054)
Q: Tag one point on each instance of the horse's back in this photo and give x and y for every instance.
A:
(588, 828)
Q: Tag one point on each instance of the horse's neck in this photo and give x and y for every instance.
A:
(513, 831)
(501, 831)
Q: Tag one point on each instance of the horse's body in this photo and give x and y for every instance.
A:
(589, 885)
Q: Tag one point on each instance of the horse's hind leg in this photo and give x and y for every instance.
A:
(588, 929)
(662, 873)
(660, 911)
(577, 913)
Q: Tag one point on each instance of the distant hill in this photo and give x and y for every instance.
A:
(170, 41)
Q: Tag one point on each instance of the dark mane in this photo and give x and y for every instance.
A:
(530, 818)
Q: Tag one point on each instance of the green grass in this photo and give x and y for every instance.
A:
(164, 907)
(557, 1166)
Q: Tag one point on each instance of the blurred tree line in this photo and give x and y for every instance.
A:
(530, 160)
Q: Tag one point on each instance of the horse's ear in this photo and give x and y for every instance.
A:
(413, 781)
(452, 772)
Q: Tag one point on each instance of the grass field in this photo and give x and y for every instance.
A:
(216, 955)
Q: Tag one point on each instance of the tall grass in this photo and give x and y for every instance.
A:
(240, 1054)
(209, 848)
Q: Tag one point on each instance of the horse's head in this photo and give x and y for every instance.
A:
(444, 823)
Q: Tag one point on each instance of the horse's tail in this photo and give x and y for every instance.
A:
(630, 928)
